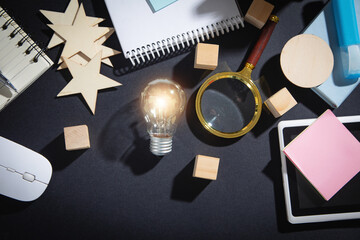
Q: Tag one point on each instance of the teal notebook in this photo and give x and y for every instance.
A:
(336, 89)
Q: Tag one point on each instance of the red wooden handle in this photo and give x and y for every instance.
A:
(263, 40)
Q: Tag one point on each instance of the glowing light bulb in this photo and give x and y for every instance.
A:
(162, 102)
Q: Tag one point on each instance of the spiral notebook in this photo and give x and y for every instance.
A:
(145, 35)
(22, 61)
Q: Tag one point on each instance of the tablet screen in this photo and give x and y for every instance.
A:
(305, 200)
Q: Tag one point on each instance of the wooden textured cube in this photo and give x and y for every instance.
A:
(206, 167)
(76, 137)
(280, 102)
(258, 13)
(206, 56)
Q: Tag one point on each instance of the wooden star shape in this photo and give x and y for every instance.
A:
(66, 18)
(87, 80)
(59, 18)
(79, 36)
(106, 52)
(79, 39)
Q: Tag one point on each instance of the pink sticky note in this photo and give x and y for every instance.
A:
(326, 153)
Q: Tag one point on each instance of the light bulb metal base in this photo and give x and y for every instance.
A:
(160, 146)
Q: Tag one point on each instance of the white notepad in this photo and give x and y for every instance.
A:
(145, 35)
(21, 65)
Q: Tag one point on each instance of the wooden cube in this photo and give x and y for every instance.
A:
(206, 56)
(206, 167)
(76, 137)
(258, 13)
(280, 102)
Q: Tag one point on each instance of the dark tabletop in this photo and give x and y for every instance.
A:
(117, 189)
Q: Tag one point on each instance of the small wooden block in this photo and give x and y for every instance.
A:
(258, 13)
(206, 167)
(76, 137)
(206, 56)
(280, 102)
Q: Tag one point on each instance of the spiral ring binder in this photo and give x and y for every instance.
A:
(36, 58)
(22, 61)
(147, 37)
(7, 23)
(21, 42)
(181, 41)
(30, 48)
(18, 29)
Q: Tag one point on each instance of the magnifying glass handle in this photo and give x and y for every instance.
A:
(263, 40)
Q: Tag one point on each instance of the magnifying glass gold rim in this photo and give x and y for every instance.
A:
(257, 111)
(245, 77)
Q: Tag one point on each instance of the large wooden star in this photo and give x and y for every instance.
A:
(80, 37)
(87, 80)
(66, 18)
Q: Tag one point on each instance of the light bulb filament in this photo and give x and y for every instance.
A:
(160, 103)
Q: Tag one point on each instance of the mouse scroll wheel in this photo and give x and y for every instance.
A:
(28, 177)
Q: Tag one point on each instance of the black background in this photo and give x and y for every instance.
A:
(117, 189)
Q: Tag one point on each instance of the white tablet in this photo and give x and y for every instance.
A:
(303, 203)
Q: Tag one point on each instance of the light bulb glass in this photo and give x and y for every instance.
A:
(162, 102)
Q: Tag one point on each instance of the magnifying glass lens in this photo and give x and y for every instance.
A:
(227, 105)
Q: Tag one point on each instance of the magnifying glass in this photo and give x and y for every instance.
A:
(229, 104)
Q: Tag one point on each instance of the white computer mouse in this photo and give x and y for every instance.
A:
(24, 174)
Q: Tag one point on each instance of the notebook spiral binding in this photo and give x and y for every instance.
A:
(190, 38)
(25, 36)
